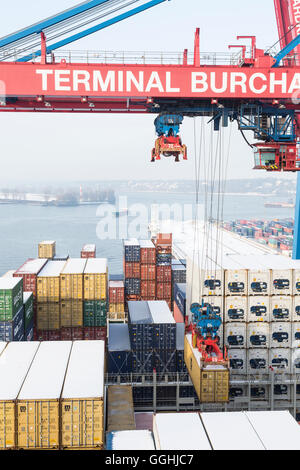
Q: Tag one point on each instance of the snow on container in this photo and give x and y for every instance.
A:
(29, 271)
(48, 282)
(281, 335)
(11, 298)
(132, 251)
(95, 279)
(258, 309)
(82, 407)
(130, 440)
(179, 431)
(258, 335)
(47, 249)
(236, 309)
(71, 279)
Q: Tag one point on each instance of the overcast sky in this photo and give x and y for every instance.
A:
(67, 147)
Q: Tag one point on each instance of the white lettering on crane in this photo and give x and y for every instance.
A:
(275, 83)
(60, 79)
(199, 78)
(295, 84)
(81, 77)
(224, 82)
(238, 79)
(296, 15)
(44, 74)
(154, 82)
(138, 83)
(120, 81)
(169, 88)
(252, 86)
(109, 81)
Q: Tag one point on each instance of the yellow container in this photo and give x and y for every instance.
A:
(38, 424)
(48, 282)
(7, 425)
(120, 410)
(48, 316)
(95, 286)
(71, 279)
(71, 313)
(192, 362)
(82, 423)
(47, 249)
(116, 308)
(119, 316)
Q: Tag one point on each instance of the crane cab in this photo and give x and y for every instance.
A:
(276, 156)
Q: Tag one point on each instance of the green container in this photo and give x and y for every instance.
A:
(94, 313)
(28, 308)
(11, 297)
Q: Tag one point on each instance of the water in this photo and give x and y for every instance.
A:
(22, 227)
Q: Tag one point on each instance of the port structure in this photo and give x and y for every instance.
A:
(256, 88)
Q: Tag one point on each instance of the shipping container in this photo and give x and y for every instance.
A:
(132, 251)
(120, 411)
(178, 316)
(165, 361)
(178, 431)
(281, 308)
(132, 270)
(14, 366)
(179, 274)
(130, 440)
(88, 251)
(119, 358)
(29, 332)
(82, 398)
(236, 308)
(148, 290)
(72, 333)
(13, 330)
(258, 335)
(28, 309)
(94, 313)
(11, 297)
(47, 249)
(202, 280)
(164, 239)
(236, 277)
(237, 361)
(217, 425)
(259, 276)
(258, 308)
(142, 361)
(164, 291)
(47, 335)
(296, 335)
(180, 297)
(38, 402)
(280, 359)
(140, 325)
(71, 279)
(71, 312)
(132, 287)
(163, 259)
(98, 333)
(296, 308)
(116, 292)
(48, 316)
(116, 308)
(235, 335)
(164, 274)
(29, 271)
(259, 392)
(48, 282)
(147, 252)
(164, 325)
(96, 279)
(281, 274)
(281, 335)
(216, 303)
(258, 361)
(148, 272)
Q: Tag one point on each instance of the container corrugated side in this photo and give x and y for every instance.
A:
(120, 411)
(11, 297)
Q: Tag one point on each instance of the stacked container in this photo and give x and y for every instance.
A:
(11, 309)
(163, 244)
(116, 290)
(88, 251)
(71, 294)
(95, 305)
(119, 357)
(132, 269)
(148, 270)
(47, 249)
(179, 306)
(178, 276)
(28, 316)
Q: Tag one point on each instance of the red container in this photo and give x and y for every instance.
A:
(178, 317)
(95, 333)
(88, 251)
(148, 255)
(71, 334)
(29, 271)
(164, 249)
(132, 270)
(47, 335)
(148, 289)
(163, 291)
(164, 274)
(116, 292)
(164, 239)
(148, 272)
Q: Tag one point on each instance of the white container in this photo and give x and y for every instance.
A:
(259, 276)
(221, 336)
(216, 303)
(295, 361)
(259, 392)
(258, 309)
(281, 274)
(281, 308)
(235, 335)
(130, 440)
(236, 277)
(237, 392)
(281, 335)
(282, 392)
(296, 276)
(296, 308)
(296, 335)
(204, 278)
(258, 361)
(236, 309)
(280, 359)
(237, 361)
(258, 335)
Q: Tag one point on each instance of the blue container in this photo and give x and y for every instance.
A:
(180, 297)
(183, 261)
(179, 274)
(142, 361)
(164, 325)
(176, 262)
(132, 251)
(14, 330)
(163, 259)
(116, 277)
(165, 361)
(29, 331)
(132, 286)
(140, 325)
(119, 358)
(142, 396)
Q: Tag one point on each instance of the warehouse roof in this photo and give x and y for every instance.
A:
(96, 266)
(32, 266)
(52, 269)
(160, 312)
(74, 266)
(118, 338)
(46, 376)
(85, 374)
(130, 440)
(9, 282)
(15, 362)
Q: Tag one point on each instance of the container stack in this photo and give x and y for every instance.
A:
(71, 295)
(48, 322)
(95, 305)
(28, 316)
(163, 245)
(88, 251)
(11, 309)
(132, 269)
(116, 291)
(47, 249)
(119, 356)
(148, 270)
(179, 305)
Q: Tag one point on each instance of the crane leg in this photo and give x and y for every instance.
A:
(296, 243)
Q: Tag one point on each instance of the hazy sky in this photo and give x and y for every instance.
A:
(67, 147)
